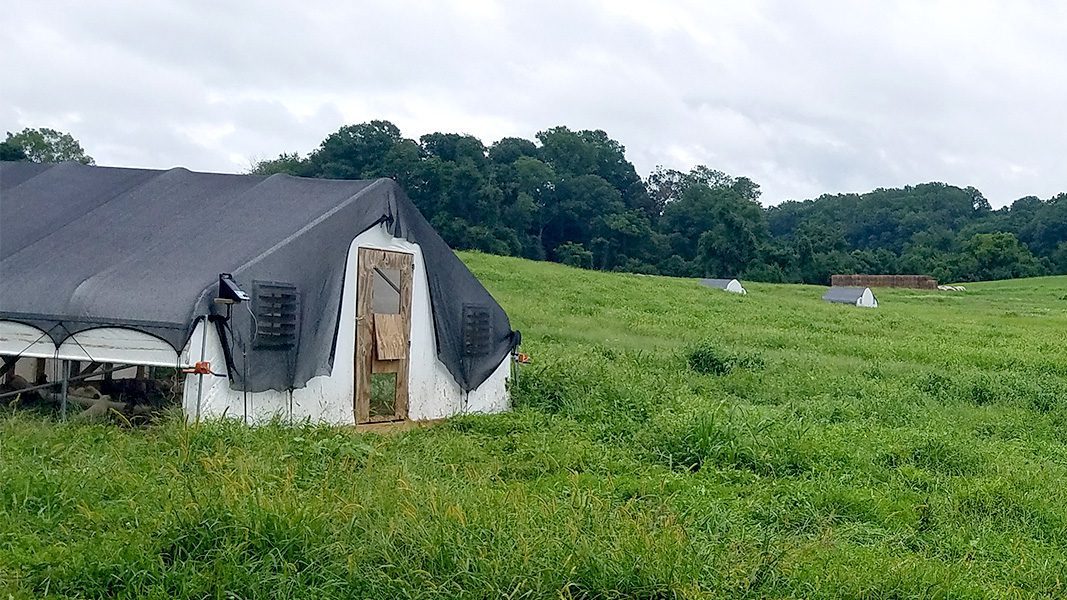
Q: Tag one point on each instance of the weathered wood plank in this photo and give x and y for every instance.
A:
(389, 336)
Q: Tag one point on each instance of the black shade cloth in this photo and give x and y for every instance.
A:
(84, 247)
(844, 295)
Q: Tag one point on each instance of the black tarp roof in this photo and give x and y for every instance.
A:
(84, 247)
(719, 284)
(844, 295)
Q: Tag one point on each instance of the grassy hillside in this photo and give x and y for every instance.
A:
(669, 441)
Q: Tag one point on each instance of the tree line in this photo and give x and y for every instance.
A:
(572, 197)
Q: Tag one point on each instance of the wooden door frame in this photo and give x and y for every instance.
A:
(365, 362)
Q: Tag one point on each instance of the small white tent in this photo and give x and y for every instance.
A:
(856, 296)
(729, 285)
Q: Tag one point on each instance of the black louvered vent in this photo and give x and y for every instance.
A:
(477, 330)
(277, 309)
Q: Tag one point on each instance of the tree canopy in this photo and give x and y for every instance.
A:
(43, 146)
(572, 196)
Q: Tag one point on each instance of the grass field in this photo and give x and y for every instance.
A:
(668, 441)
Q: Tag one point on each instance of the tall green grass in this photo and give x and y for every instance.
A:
(667, 441)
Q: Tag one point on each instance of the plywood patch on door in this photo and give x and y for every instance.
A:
(390, 337)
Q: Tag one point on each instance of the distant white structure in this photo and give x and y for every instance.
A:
(730, 285)
(857, 296)
(952, 288)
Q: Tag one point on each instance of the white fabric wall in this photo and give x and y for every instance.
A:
(24, 340)
(432, 392)
(104, 344)
(120, 346)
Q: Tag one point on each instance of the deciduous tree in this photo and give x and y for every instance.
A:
(46, 145)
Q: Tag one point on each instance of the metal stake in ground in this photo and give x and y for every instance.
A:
(65, 369)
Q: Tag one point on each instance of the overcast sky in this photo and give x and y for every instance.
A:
(803, 97)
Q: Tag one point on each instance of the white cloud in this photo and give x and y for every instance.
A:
(804, 98)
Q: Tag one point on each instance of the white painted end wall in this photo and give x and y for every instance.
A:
(867, 299)
(433, 392)
(735, 287)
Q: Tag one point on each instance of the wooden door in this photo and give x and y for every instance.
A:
(383, 335)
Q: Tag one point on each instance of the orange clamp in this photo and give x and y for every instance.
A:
(201, 368)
